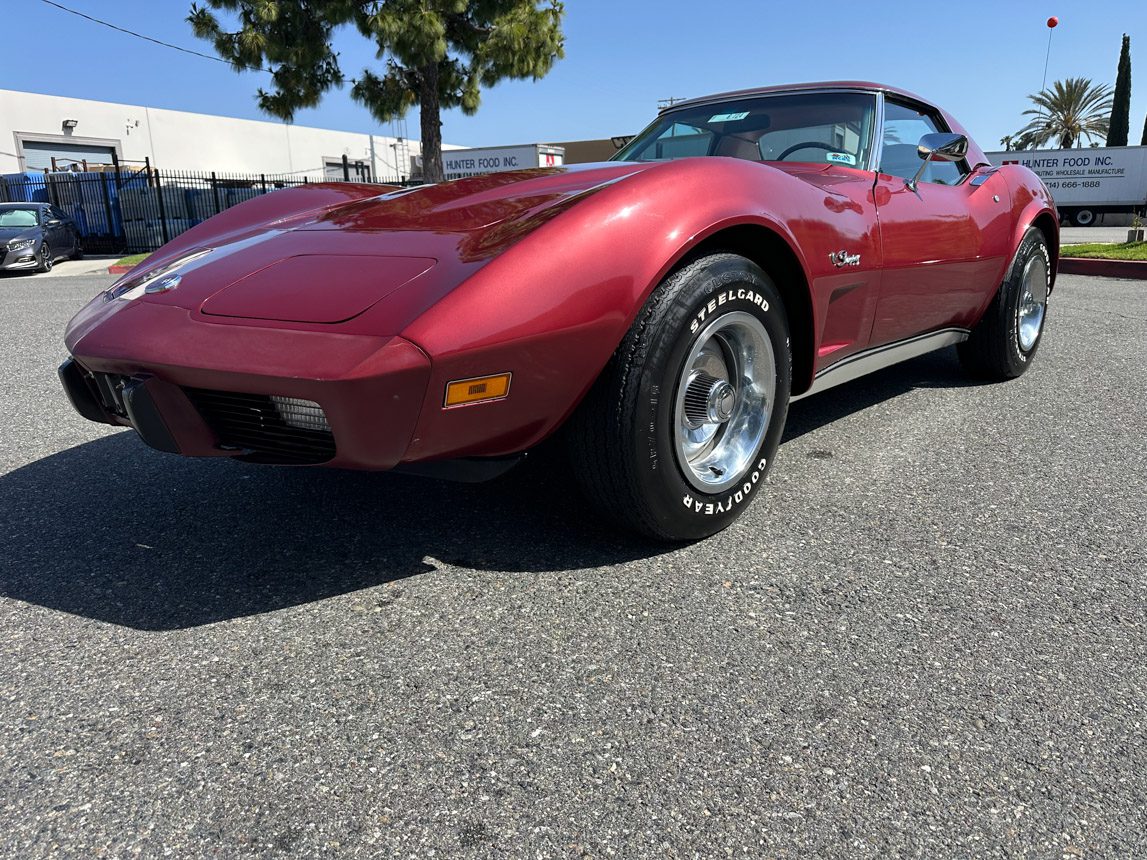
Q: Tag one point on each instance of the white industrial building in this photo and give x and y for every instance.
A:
(36, 128)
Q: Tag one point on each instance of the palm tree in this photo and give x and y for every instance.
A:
(1070, 110)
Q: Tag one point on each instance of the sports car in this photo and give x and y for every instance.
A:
(657, 312)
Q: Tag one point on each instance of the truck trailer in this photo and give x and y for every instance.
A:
(1088, 182)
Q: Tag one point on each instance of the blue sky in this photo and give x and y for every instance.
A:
(977, 59)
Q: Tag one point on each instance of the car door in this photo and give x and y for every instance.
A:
(56, 230)
(942, 243)
(69, 234)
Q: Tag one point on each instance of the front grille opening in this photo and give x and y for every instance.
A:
(109, 388)
(283, 430)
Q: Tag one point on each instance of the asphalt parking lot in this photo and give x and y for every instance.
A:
(929, 640)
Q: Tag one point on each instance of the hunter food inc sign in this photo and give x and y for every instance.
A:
(460, 163)
(1110, 175)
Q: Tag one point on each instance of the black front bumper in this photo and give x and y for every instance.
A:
(106, 398)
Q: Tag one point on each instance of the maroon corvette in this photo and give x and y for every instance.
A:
(659, 311)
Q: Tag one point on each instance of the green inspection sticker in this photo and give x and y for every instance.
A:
(728, 117)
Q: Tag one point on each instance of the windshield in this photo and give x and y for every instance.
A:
(18, 218)
(818, 127)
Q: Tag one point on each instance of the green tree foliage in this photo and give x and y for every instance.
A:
(433, 53)
(1121, 105)
(1067, 112)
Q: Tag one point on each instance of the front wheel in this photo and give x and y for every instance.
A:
(45, 258)
(1004, 342)
(677, 435)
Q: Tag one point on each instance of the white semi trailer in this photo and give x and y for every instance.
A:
(1090, 181)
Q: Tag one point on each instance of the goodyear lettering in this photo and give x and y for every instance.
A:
(727, 296)
(726, 505)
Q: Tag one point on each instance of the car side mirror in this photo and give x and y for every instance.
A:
(938, 146)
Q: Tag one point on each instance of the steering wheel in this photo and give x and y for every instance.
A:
(797, 146)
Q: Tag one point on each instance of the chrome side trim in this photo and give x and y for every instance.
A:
(876, 151)
(871, 360)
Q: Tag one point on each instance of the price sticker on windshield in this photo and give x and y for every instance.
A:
(728, 117)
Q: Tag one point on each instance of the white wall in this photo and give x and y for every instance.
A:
(177, 140)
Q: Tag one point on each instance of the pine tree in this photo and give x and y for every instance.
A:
(1121, 104)
(438, 53)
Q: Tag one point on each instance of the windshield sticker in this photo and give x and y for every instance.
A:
(841, 158)
(728, 117)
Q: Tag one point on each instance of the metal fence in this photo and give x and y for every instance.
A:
(121, 210)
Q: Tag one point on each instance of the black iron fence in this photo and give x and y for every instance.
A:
(121, 210)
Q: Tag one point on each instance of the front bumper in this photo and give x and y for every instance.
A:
(13, 261)
(370, 389)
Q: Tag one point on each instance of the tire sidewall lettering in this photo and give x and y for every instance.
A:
(723, 297)
(725, 504)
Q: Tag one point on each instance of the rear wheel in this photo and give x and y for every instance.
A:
(677, 435)
(1083, 218)
(1004, 342)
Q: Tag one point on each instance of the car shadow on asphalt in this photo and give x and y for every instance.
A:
(940, 369)
(116, 532)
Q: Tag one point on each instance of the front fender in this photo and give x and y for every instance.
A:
(553, 308)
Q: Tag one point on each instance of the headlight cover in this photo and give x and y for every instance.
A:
(136, 285)
(21, 244)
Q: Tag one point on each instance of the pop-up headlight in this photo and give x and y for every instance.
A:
(135, 286)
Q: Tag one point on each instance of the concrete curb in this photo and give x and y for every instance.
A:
(1103, 268)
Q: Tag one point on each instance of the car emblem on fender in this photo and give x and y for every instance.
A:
(842, 258)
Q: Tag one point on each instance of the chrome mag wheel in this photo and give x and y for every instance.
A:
(1032, 303)
(725, 397)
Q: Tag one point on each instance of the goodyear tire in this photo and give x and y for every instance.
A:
(1004, 342)
(677, 435)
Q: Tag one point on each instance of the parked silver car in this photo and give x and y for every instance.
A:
(33, 236)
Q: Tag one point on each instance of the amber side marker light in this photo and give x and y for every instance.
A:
(477, 390)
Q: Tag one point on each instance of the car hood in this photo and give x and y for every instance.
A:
(331, 266)
(476, 203)
(10, 234)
